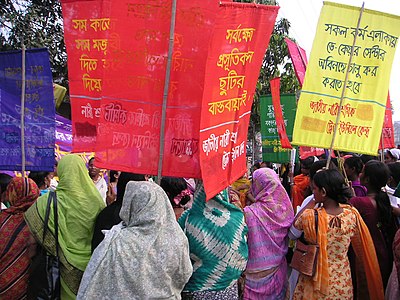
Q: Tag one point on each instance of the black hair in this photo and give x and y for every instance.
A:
(173, 186)
(354, 162)
(307, 162)
(38, 177)
(378, 174)
(90, 159)
(267, 164)
(4, 181)
(366, 158)
(394, 168)
(112, 175)
(123, 180)
(334, 184)
(318, 165)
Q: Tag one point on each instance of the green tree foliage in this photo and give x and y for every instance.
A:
(36, 24)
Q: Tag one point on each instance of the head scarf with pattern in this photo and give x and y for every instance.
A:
(21, 193)
(217, 238)
(147, 253)
(268, 220)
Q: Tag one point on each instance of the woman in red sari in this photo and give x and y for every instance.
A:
(376, 212)
(16, 242)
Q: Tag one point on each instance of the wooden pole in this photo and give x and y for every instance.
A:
(344, 88)
(166, 89)
(23, 111)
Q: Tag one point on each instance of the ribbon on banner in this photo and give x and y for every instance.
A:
(39, 111)
(359, 127)
(280, 124)
(299, 59)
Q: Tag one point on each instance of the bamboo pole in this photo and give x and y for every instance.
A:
(23, 111)
(382, 146)
(344, 88)
(166, 89)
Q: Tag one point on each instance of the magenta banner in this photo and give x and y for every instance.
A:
(299, 59)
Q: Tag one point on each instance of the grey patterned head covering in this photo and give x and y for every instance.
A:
(144, 257)
(144, 204)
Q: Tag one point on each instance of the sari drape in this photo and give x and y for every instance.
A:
(79, 203)
(363, 247)
(14, 239)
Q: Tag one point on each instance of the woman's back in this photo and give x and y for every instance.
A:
(340, 230)
(146, 256)
(382, 241)
(216, 231)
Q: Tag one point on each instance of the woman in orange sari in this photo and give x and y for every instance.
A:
(339, 225)
(301, 183)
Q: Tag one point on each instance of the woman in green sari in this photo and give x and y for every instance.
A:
(79, 203)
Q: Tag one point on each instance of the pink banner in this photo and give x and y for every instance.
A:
(299, 59)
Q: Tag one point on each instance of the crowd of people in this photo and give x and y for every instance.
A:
(130, 238)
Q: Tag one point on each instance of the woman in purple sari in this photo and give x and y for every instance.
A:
(268, 219)
(353, 166)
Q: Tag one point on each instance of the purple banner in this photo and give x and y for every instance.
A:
(39, 111)
(63, 135)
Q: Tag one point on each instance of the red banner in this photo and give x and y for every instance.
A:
(280, 123)
(87, 27)
(299, 59)
(310, 151)
(240, 39)
(387, 138)
(128, 130)
(117, 93)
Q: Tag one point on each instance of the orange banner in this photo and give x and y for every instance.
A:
(237, 48)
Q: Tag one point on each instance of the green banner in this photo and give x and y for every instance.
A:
(271, 145)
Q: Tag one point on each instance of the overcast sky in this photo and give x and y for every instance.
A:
(303, 16)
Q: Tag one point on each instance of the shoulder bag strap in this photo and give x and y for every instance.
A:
(46, 218)
(55, 220)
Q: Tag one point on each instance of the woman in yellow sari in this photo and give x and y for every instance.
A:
(79, 202)
(339, 225)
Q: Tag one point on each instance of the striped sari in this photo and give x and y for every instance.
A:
(15, 239)
(268, 221)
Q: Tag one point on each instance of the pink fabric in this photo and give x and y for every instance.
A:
(182, 194)
(268, 221)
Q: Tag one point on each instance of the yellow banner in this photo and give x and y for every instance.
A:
(361, 118)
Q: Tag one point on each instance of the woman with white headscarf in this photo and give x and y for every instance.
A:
(146, 256)
(392, 155)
